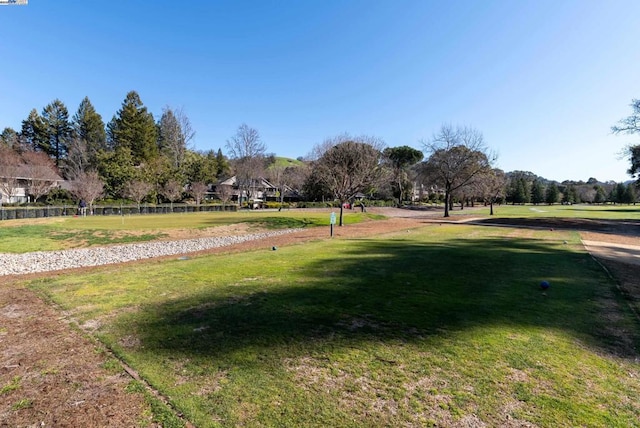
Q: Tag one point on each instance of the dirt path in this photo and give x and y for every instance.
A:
(53, 375)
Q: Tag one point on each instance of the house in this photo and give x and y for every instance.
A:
(19, 182)
(257, 189)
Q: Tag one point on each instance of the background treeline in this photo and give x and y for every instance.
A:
(141, 159)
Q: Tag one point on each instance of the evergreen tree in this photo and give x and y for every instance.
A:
(569, 196)
(630, 196)
(552, 195)
(617, 194)
(89, 130)
(222, 165)
(9, 138)
(133, 128)
(600, 196)
(537, 192)
(58, 131)
(33, 133)
(116, 169)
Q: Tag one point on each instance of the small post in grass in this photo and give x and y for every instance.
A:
(332, 221)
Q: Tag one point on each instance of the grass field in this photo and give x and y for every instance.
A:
(436, 326)
(610, 212)
(18, 236)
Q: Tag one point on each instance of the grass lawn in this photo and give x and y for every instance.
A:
(18, 236)
(609, 212)
(438, 326)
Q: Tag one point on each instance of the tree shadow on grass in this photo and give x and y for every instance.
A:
(609, 226)
(400, 290)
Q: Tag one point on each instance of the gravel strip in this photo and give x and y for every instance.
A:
(46, 261)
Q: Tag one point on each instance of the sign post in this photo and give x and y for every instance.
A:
(332, 221)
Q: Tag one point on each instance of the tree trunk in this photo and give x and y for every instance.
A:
(341, 208)
(491, 208)
(447, 197)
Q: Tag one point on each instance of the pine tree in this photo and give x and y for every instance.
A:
(89, 130)
(133, 128)
(552, 195)
(57, 129)
(33, 132)
(537, 192)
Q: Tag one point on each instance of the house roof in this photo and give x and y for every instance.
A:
(29, 172)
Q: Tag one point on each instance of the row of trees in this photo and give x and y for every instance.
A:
(132, 156)
(135, 157)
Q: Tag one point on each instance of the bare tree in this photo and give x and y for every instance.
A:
(457, 155)
(172, 190)
(348, 167)
(198, 190)
(137, 190)
(224, 192)
(77, 160)
(10, 167)
(40, 172)
(247, 151)
(491, 186)
(175, 134)
(87, 186)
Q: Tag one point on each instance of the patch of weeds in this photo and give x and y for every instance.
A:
(101, 237)
(25, 403)
(11, 386)
(160, 412)
(112, 366)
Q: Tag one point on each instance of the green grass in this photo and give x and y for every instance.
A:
(439, 326)
(604, 212)
(75, 232)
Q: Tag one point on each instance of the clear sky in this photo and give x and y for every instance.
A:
(543, 80)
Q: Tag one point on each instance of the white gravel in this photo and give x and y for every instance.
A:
(45, 261)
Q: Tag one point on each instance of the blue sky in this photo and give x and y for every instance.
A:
(542, 80)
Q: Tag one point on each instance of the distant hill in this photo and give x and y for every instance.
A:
(285, 162)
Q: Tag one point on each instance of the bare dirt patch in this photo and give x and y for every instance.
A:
(51, 375)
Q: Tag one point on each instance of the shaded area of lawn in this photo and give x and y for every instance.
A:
(628, 227)
(398, 290)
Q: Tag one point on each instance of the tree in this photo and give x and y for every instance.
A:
(537, 192)
(40, 172)
(491, 186)
(137, 190)
(400, 159)
(87, 186)
(133, 128)
(247, 152)
(90, 135)
(172, 190)
(631, 125)
(224, 192)
(349, 166)
(630, 196)
(198, 190)
(117, 169)
(58, 131)
(10, 167)
(552, 195)
(457, 155)
(9, 138)
(33, 134)
(569, 194)
(175, 132)
(222, 164)
(600, 196)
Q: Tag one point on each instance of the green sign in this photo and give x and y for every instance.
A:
(332, 219)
